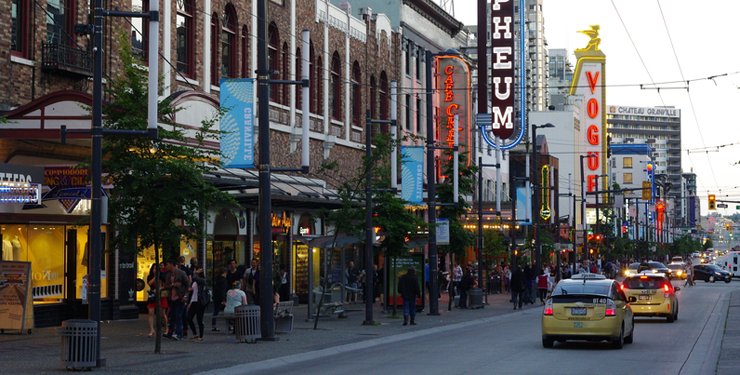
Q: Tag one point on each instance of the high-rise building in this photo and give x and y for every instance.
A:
(561, 73)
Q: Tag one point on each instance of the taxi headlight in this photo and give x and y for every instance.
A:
(717, 273)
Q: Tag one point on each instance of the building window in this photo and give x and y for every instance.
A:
(299, 77)
(407, 122)
(228, 43)
(285, 74)
(373, 96)
(627, 163)
(418, 64)
(185, 38)
(356, 94)
(245, 52)
(60, 19)
(383, 92)
(418, 116)
(407, 54)
(139, 31)
(319, 87)
(272, 58)
(335, 96)
(214, 50)
(627, 178)
(20, 14)
(312, 80)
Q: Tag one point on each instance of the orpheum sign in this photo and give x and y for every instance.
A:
(502, 72)
(453, 84)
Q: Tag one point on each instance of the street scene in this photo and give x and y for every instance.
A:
(325, 186)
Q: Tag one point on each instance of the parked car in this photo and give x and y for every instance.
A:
(711, 273)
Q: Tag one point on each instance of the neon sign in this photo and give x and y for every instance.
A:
(453, 85)
(545, 211)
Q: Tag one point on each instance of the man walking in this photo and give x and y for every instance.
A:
(408, 288)
(177, 283)
(247, 281)
(457, 275)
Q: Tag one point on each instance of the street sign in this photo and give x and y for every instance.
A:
(721, 205)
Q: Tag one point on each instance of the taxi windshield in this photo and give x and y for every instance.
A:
(581, 288)
(646, 283)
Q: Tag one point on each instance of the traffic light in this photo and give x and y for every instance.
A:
(646, 190)
(727, 226)
(712, 202)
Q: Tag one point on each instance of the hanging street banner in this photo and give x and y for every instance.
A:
(16, 301)
(237, 142)
(443, 231)
(523, 206)
(412, 174)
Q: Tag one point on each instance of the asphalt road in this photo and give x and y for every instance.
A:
(511, 344)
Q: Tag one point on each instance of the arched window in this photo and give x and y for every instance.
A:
(335, 94)
(373, 96)
(313, 78)
(272, 58)
(139, 30)
(245, 52)
(298, 77)
(320, 87)
(228, 43)
(384, 112)
(185, 38)
(356, 94)
(284, 72)
(214, 50)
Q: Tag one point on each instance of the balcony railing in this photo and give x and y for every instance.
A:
(67, 60)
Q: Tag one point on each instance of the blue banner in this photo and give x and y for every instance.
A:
(523, 208)
(237, 142)
(412, 174)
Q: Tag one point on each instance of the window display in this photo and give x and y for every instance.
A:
(145, 259)
(45, 248)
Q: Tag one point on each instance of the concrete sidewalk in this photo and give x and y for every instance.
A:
(729, 356)
(127, 349)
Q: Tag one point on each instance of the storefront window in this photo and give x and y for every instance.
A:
(46, 253)
(219, 253)
(144, 262)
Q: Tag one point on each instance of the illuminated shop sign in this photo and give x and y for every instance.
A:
(545, 211)
(454, 99)
(20, 184)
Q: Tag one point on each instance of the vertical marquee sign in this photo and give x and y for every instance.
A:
(453, 84)
(588, 82)
(502, 72)
(545, 211)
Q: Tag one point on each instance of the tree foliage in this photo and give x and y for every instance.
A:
(460, 238)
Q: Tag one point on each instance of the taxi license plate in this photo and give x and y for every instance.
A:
(577, 311)
(578, 324)
(644, 297)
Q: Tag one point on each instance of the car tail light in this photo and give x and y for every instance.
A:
(548, 307)
(667, 290)
(611, 308)
(622, 287)
(643, 277)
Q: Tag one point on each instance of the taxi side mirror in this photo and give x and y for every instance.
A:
(632, 299)
(677, 288)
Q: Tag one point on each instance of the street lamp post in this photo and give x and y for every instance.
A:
(598, 228)
(536, 200)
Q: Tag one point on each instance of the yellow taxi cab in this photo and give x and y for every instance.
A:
(588, 307)
(654, 295)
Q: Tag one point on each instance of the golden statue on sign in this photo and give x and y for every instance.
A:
(593, 44)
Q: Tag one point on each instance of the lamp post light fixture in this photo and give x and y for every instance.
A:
(536, 193)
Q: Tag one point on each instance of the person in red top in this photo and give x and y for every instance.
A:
(542, 285)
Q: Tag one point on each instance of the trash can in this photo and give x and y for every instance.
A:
(247, 322)
(475, 298)
(79, 340)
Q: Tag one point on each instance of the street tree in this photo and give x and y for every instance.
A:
(159, 195)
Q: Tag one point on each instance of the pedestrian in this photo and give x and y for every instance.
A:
(284, 289)
(188, 271)
(220, 287)
(518, 286)
(256, 285)
(177, 284)
(233, 275)
(408, 288)
(352, 275)
(152, 301)
(457, 274)
(507, 278)
(529, 277)
(689, 275)
(542, 283)
(234, 297)
(197, 305)
(247, 280)
(466, 283)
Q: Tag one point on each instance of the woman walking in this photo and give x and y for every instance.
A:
(542, 282)
(197, 304)
(152, 303)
